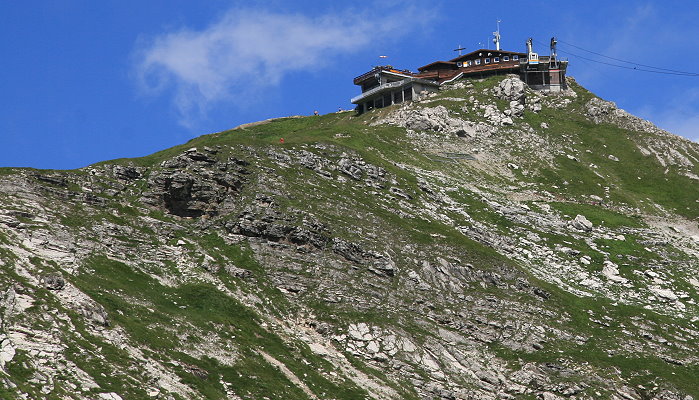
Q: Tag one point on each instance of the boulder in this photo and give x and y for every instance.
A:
(7, 350)
(511, 88)
(435, 119)
(95, 312)
(53, 282)
(666, 294)
(517, 109)
(611, 272)
(581, 223)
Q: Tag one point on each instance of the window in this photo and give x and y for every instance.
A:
(478, 61)
(506, 58)
(515, 57)
(470, 62)
(487, 60)
(496, 59)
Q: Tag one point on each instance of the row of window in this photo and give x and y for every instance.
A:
(488, 60)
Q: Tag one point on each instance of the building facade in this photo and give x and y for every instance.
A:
(385, 85)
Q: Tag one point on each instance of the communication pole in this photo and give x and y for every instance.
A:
(496, 34)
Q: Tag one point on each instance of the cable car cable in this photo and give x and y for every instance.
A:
(654, 70)
(628, 62)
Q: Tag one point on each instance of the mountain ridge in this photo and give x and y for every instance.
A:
(485, 242)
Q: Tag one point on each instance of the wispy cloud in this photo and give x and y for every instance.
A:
(247, 49)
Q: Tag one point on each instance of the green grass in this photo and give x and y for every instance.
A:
(598, 215)
(162, 320)
(636, 368)
(123, 291)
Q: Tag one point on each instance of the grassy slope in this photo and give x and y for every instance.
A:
(114, 283)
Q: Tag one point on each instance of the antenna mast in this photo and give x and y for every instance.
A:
(496, 34)
(553, 59)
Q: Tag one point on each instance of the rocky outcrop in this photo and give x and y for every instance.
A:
(195, 184)
(264, 220)
(53, 282)
(432, 254)
(380, 264)
(436, 119)
(94, 312)
(511, 88)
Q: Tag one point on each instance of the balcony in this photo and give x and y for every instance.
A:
(381, 88)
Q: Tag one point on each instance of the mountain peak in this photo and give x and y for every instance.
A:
(486, 240)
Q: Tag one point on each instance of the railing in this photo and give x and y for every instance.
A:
(380, 88)
(374, 70)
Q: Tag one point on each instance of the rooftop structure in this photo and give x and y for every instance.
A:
(385, 85)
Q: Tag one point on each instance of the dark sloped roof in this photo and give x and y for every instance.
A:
(446, 63)
(471, 54)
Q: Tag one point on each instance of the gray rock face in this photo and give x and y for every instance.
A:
(237, 272)
(597, 108)
(435, 119)
(351, 169)
(7, 350)
(511, 88)
(263, 220)
(377, 263)
(126, 173)
(53, 282)
(186, 189)
(94, 312)
(419, 260)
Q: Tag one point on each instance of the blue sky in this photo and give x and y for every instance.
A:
(86, 81)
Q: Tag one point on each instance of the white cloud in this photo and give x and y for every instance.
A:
(248, 49)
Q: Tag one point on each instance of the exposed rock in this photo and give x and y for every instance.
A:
(611, 272)
(53, 282)
(7, 350)
(431, 119)
(510, 88)
(109, 396)
(126, 173)
(236, 272)
(354, 171)
(94, 312)
(664, 293)
(196, 371)
(184, 189)
(581, 223)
